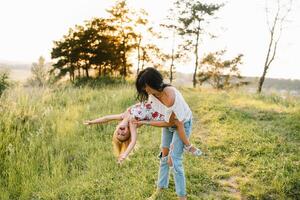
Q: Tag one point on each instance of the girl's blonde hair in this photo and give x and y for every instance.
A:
(120, 146)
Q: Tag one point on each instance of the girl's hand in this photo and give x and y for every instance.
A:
(87, 122)
(123, 125)
(122, 157)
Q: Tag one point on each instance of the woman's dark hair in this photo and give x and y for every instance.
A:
(151, 77)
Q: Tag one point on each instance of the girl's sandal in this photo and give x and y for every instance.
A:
(193, 150)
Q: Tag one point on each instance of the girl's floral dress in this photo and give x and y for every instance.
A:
(144, 111)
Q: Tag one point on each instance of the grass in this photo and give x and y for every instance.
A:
(251, 145)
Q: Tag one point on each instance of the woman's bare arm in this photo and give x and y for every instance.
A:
(155, 123)
(172, 122)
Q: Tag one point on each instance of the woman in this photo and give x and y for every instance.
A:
(168, 100)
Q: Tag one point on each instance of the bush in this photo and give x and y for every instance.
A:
(98, 82)
(4, 80)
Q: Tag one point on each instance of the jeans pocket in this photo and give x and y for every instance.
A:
(172, 129)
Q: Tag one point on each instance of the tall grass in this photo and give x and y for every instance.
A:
(251, 146)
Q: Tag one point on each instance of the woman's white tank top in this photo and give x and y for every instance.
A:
(180, 108)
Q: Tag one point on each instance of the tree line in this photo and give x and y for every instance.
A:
(101, 45)
(110, 46)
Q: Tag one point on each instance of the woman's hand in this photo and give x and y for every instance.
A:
(140, 122)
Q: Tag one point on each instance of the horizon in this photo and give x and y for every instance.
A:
(133, 70)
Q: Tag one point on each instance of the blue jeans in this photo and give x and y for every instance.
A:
(171, 137)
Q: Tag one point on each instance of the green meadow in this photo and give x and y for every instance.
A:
(251, 146)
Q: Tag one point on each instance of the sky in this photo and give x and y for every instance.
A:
(28, 29)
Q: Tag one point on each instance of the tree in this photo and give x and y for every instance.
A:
(121, 20)
(142, 27)
(102, 49)
(4, 80)
(102, 44)
(66, 54)
(275, 31)
(149, 52)
(175, 53)
(221, 74)
(91, 46)
(191, 15)
(39, 73)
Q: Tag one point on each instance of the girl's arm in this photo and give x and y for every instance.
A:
(133, 132)
(105, 119)
(180, 129)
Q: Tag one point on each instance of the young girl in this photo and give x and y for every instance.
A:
(125, 134)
